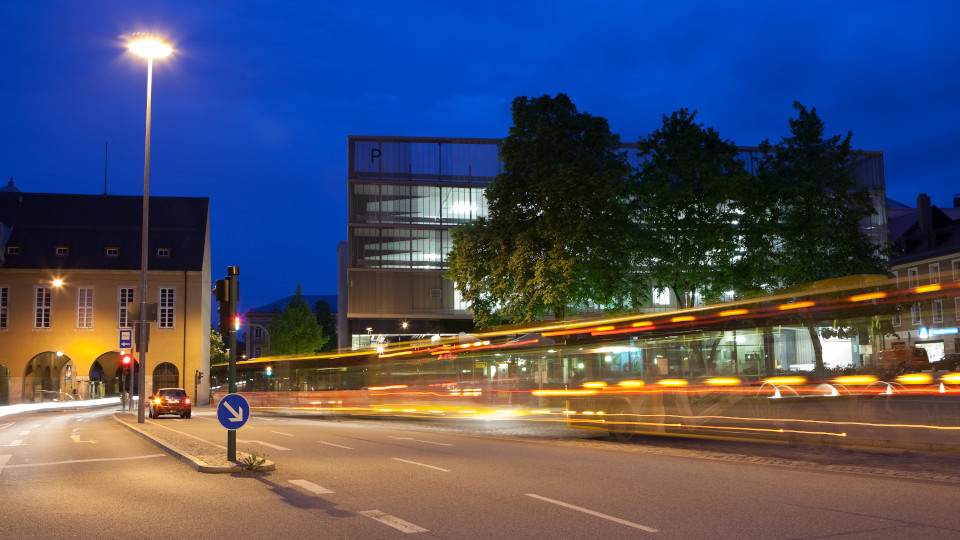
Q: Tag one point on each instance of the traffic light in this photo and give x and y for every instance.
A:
(126, 359)
(269, 371)
(236, 322)
(222, 294)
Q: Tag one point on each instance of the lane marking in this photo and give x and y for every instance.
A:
(282, 433)
(25, 432)
(311, 487)
(75, 436)
(15, 442)
(395, 522)
(419, 440)
(71, 461)
(594, 513)
(420, 464)
(275, 447)
(4, 458)
(337, 445)
(8, 424)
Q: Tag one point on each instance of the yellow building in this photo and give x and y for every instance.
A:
(69, 276)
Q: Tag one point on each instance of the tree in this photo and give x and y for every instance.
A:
(218, 352)
(327, 323)
(295, 330)
(558, 234)
(687, 204)
(808, 229)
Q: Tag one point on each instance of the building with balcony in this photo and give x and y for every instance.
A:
(69, 277)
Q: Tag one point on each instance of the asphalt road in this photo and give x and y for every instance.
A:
(79, 474)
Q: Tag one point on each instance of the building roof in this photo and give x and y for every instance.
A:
(87, 225)
(280, 305)
(910, 243)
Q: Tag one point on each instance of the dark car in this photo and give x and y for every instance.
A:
(170, 401)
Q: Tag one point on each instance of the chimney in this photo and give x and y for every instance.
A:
(925, 219)
(956, 200)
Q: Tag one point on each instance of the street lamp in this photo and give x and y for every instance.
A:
(149, 47)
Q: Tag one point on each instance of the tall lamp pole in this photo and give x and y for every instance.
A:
(149, 47)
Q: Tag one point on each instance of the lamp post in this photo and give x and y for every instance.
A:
(149, 47)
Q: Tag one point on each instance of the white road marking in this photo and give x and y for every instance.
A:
(275, 447)
(337, 445)
(421, 464)
(419, 440)
(25, 432)
(71, 461)
(8, 424)
(282, 433)
(594, 513)
(76, 437)
(4, 458)
(311, 487)
(395, 522)
(15, 442)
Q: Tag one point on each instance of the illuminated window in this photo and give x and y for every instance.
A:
(913, 277)
(937, 311)
(41, 307)
(934, 273)
(4, 298)
(661, 297)
(915, 314)
(125, 297)
(62, 251)
(895, 319)
(112, 252)
(85, 308)
(166, 307)
(163, 252)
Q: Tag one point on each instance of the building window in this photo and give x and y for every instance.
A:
(5, 297)
(113, 252)
(934, 273)
(895, 319)
(913, 278)
(62, 251)
(85, 308)
(167, 301)
(661, 297)
(896, 278)
(126, 298)
(42, 301)
(257, 332)
(956, 269)
(956, 307)
(163, 252)
(937, 313)
(915, 314)
(13, 250)
(257, 352)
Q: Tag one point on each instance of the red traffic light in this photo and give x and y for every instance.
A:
(236, 322)
(126, 359)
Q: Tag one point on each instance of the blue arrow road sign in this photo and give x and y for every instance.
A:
(233, 411)
(126, 339)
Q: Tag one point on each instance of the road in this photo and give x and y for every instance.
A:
(78, 473)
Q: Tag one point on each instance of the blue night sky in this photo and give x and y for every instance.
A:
(254, 107)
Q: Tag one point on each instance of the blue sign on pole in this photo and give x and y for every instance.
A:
(126, 339)
(233, 411)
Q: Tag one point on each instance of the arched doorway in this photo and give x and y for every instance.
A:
(43, 376)
(4, 385)
(95, 384)
(165, 375)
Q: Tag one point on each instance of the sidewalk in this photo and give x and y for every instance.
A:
(202, 455)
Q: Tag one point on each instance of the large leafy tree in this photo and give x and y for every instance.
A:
(294, 330)
(559, 233)
(218, 352)
(689, 179)
(327, 323)
(806, 226)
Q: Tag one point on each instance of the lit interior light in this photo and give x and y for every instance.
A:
(630, 384)
(914, 378)
(856, 379)
(723, 381)
(785, 380)
(868, 296)
(927, 288)
(796, 305)
(734, 312)
(595, 384)
(951, 378)
(683, 318)
(672, 382)
(641, 324)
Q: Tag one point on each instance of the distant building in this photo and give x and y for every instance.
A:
(258, 319)
(69, 274)
(926, 251)
(405, 195)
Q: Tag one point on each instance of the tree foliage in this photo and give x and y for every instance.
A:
(327, 323)
(559, 228)
(294, 331)
(688, 182)
(218, 352)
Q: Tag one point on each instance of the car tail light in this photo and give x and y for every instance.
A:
(187, 401)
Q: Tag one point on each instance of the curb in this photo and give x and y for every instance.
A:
(196, 463)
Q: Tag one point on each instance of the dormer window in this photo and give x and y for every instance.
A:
(13, 250)
(112, 252)
(163, 252)
(62, 251)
